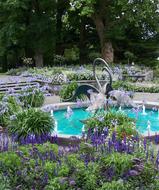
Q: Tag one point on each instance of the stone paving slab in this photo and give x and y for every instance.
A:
(52, 100)
(151, 97)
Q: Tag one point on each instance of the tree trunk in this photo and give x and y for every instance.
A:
(82, 44)
(38, 59)
(107, 50)
(4, 63)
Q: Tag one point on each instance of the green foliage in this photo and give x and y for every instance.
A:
(114, 121)
(129, 87)
(68, 90)
(129, 55)
(71, 54)
(93, 55)
(16, 72)
(33, 166)
(156, 70)
(8, 106)
(4, 183)
(55, 184)
(115, 185)
(32, 97)
(81, 75)
(32, 121)
(59, 60)
(128, 24)
(17, 33)
(118, 166)
(26, 174)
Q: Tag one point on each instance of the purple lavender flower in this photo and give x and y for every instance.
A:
(72, 183)
(13, 117)
(101, 118)
(133, 173)
(79, 103)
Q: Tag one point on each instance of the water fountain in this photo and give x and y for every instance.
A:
(143, 110)
(120, 109)
(148, 127)
(52, 112)
(55, 129)
(97, 103)
(122, 98)
(69, 112)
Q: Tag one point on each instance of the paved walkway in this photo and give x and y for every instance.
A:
(52, 100)
(150, 97)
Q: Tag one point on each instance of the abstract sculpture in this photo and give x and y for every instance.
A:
(102, 89)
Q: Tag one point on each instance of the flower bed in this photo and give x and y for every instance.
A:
(102, 162)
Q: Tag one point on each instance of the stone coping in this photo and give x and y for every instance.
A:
(63, 105)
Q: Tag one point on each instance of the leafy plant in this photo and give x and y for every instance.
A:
(59, 59)
(4, 183)
(115, 185)
(16, 72)
(32, 97)
(129, 87)
(113, 121)
(68, 90)
(9, 105)
(31, 122)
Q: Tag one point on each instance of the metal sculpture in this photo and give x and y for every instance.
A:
(86, 88)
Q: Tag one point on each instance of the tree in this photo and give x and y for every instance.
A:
(28, 28)
(112, 18)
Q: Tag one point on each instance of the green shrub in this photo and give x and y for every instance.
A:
(72, 54)
(24, 168)
(8, 107)
(57, 183)
(32, 98)
(17, 71)
(133, 170)
(116, 165)
(115, 185)
(129, 87)
(47, 147)
(4, 183)
(31, 122)
(156, 71)
(114, 121)
(93, 55)
(59, 60)
(68, 90)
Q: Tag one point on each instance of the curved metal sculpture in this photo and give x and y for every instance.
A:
(85, 88)
(107, 87)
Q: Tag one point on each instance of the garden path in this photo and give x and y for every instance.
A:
(150, 97)
(52, 100)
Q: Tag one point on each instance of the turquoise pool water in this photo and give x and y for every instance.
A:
(73, 126)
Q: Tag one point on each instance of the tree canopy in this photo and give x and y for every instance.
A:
(42, 29)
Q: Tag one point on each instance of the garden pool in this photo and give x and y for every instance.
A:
(73, 126)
